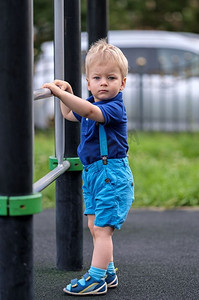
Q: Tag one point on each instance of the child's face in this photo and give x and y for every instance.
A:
(105, 80)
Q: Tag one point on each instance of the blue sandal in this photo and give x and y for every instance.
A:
(111, 280)
(86, 286)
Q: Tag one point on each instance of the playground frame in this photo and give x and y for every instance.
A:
(16, 140)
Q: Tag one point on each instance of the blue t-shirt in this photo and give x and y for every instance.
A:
(115, 125)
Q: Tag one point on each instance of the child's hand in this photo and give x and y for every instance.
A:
(63, 85)
(58, 85)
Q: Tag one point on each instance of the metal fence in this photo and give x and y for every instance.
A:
(162, 102)
(155, 100)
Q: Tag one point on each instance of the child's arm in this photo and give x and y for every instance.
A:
(64, 86)
(63, 91)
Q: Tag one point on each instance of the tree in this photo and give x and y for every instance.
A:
(126, 14)
(43, 23)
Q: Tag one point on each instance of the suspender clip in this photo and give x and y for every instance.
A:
(104, 160)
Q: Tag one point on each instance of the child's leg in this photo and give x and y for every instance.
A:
(102, 261)
(91, 226)
(94, 281)
(91, 221)
(103, 247)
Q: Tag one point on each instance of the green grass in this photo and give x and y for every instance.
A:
(44, 147)
(165, 168)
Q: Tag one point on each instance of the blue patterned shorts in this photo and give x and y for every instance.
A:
(108, 191)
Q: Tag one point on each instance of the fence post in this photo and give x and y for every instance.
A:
(16, 232)
(69, 232)
(141, 61)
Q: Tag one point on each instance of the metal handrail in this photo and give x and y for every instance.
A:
(42, 93)
(59, 138)
(42, 183)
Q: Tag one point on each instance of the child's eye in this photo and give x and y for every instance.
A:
(96, 77)
(111, 77)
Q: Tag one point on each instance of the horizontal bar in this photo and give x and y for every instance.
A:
(42, 93)
(42, 183)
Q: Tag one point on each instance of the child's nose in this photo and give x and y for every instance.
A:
(104, 81)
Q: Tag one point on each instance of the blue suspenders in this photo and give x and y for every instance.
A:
(103, 144)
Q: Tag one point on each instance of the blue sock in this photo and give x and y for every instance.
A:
(111, 268)
(97, 273)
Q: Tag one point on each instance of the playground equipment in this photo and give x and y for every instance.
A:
(16, 234)
(19, 198)
(58, 165)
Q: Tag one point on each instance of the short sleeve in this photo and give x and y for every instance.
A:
(113, 112)
(78, 117)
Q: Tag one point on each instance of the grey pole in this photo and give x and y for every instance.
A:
(59, 74)
(41, 94)
(97, 25)
(69, 232)
(16, 232)
(51, 176)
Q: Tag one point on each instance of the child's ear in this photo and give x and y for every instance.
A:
(123, 84)
(88, 84)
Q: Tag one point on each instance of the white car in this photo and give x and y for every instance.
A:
(162, 91)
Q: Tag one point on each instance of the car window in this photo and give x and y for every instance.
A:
(142, 60)
(178, 62)
(162, 61)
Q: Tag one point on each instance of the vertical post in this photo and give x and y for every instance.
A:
(97, 19)
(141, 62)
(141, 100)
(59, 74)
(69, 232)
(16, 233)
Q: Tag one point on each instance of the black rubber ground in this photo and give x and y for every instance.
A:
(156, 252)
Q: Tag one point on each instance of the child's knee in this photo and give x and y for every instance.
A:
(103, 231)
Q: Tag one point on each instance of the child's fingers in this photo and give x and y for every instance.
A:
(46, 85)
(61, 84)
(51, 86)
(58, 85)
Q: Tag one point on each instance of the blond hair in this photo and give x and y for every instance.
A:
(103, 51)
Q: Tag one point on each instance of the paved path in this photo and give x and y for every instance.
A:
(157, 253)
